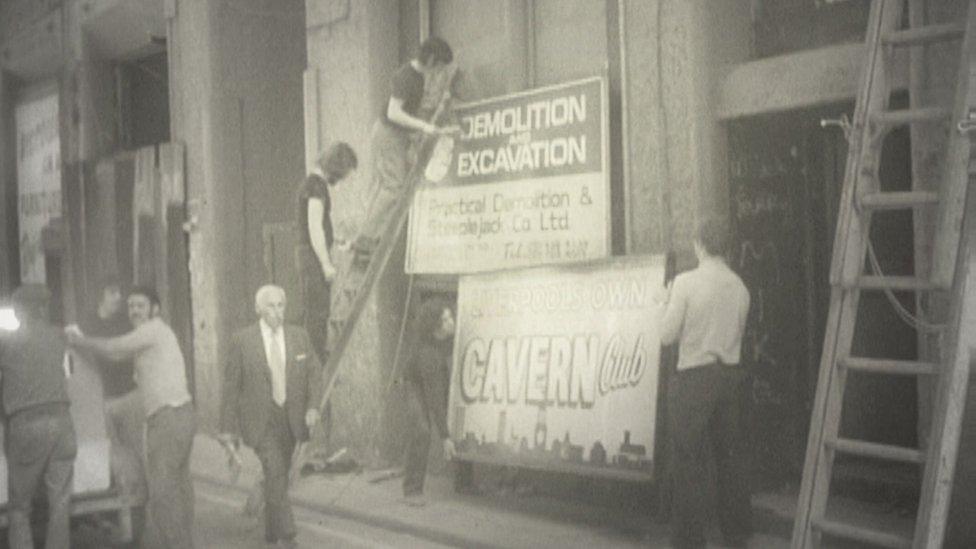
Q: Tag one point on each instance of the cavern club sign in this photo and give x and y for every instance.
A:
(557, 367)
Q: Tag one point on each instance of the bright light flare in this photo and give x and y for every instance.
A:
(8, 320)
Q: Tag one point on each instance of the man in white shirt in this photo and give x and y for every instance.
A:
(272, 385)
(706, 315)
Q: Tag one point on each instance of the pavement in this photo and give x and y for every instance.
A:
(489, 518)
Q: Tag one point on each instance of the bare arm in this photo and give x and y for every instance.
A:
(396, 114)
(674, 314)
(115, 349)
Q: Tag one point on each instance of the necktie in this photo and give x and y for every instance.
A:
(277, 363)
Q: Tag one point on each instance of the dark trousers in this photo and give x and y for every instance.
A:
(40, 447)
(169, 441)
(705, 407)
(316, 297)
(418, 441)
(275, 452)
(390, 150)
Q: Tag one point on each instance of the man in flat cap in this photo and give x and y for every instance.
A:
(39, 441)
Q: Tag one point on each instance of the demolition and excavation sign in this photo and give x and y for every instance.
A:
(557, 367)
(524, 184)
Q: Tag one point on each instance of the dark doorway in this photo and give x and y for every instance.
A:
(786, 175)
(142, 93)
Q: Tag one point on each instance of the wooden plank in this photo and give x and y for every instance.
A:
(899, 200)
(888, 366)
(924, 35)
(910, 116)
(875, 450)
(144, 216)
(313, 133)
(894, 283)
(857, 533)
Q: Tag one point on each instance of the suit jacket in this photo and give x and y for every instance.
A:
(247, 400)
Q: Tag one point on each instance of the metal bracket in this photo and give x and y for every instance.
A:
(967, 124)
(844, 123)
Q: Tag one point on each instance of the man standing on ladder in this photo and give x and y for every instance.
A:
(316, 236)
(390, 140)
(706, 314)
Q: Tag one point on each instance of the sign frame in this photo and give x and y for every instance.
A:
(534, 462)
(607, 195)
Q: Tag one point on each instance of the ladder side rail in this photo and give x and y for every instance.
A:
(953, 384)
(956, 176)
(829, 396)
(850, 233)
(947, 419)
(873, 95)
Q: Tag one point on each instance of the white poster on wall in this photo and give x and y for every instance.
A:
(557, 367)
(526, 185)
(38, 179)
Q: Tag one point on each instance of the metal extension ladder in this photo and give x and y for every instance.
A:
(862, 196)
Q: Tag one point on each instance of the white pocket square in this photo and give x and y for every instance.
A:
(300, 358)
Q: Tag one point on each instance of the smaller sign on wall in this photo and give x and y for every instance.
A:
(38, 179)
(526, 185)
(558, 367)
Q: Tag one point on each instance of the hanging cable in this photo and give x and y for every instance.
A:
(914, 321)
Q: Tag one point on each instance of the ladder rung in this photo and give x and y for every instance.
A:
(888, 366)
(924, 35)
(875, 450)
(910, 116)
(898, 200)
(858, 533)
(896, 283)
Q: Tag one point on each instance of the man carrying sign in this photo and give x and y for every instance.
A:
(390, 138)
(706, 315)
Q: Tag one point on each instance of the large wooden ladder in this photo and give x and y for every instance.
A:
(855, 269)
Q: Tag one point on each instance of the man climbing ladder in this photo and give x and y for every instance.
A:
(391, 135)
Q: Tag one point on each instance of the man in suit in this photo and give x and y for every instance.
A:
(272, 385)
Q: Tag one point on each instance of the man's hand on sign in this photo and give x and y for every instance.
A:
(311, 418)
(73, 333)
(448, 130)
(329, 272)
(663, 294)
(342, 245)
(449, 451)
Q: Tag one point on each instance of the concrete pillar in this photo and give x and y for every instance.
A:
(9, 264)
(675, 53)
(192, 67)
(352, 52)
